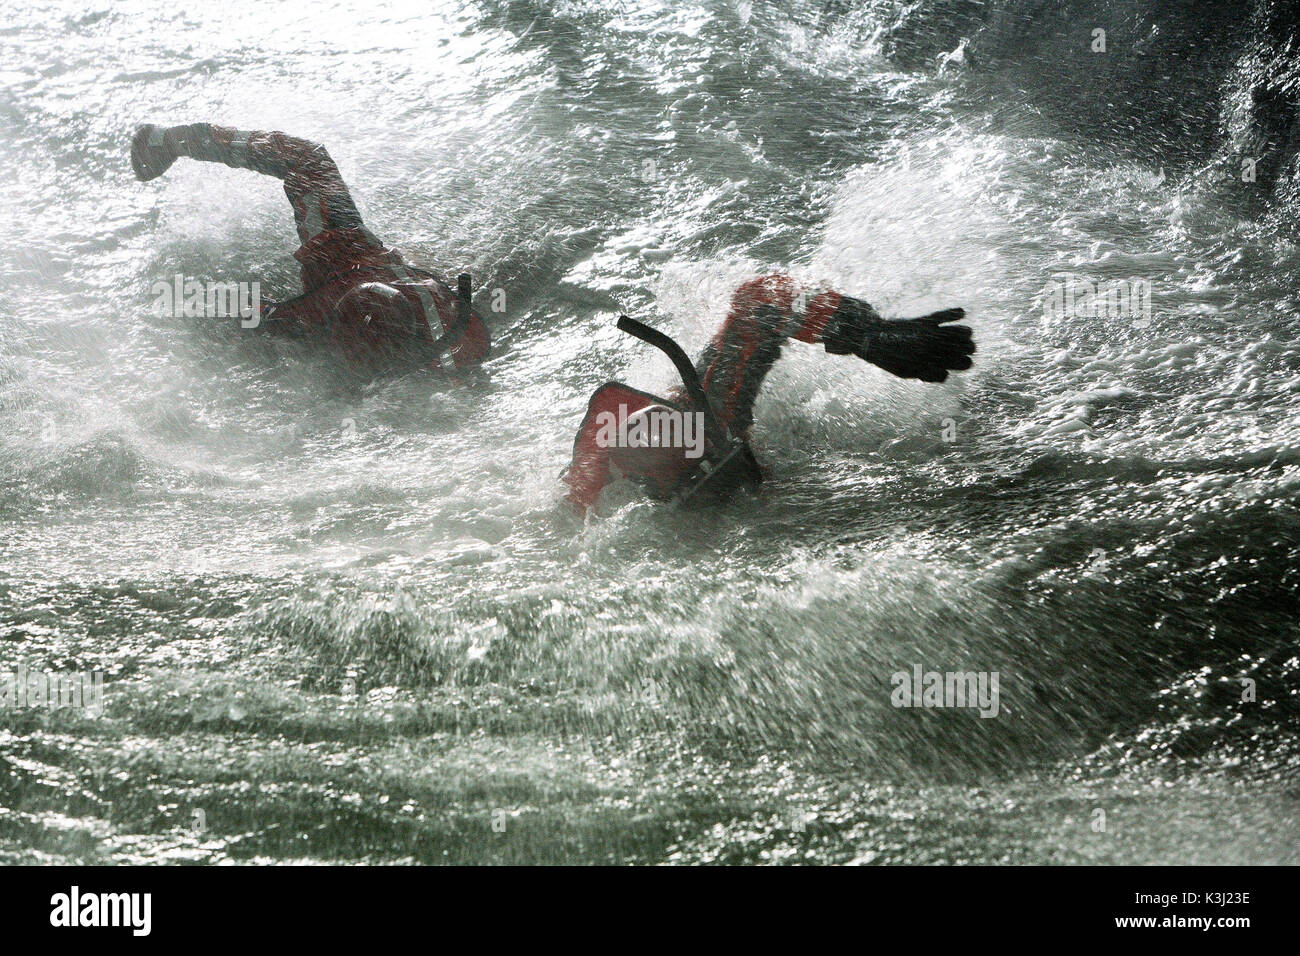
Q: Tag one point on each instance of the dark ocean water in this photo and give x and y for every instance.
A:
(345, 620)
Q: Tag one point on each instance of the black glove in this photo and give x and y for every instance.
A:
(851, 324)
(152, 152)
(924, 348)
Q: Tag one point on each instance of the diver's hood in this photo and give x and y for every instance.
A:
(383, 307)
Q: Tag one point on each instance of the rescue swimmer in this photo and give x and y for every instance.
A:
(358, 294)
(722, 385)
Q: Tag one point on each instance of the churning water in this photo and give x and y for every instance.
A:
(349, 620)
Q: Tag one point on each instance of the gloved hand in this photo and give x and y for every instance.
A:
(925, 348)
(151, 152)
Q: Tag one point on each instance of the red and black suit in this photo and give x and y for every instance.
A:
(764, 314)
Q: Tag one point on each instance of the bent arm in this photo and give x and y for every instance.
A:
(764, 314)
(316, 190)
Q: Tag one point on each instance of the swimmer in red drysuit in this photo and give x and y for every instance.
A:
(376, 310)
(764, 314)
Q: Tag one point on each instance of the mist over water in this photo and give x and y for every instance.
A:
(352, 620)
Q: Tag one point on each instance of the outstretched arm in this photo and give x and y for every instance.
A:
(768, 311)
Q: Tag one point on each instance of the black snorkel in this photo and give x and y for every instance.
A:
(449, 339)
(732, 463)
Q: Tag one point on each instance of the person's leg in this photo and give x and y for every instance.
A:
(319, 197)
